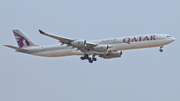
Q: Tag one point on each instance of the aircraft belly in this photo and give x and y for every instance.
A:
(164, 42)
(54, 53)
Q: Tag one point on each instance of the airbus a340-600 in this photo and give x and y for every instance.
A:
(105, 48)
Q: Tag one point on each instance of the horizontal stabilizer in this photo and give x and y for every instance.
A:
(16, 48)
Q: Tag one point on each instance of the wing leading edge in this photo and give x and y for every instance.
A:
(68, 41)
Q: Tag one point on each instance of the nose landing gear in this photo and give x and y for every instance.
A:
(161, 50)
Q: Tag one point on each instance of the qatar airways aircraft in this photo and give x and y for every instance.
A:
(105, 48)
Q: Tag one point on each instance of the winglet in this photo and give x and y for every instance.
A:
(42, 32)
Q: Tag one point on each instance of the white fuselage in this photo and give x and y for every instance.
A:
(123, 43)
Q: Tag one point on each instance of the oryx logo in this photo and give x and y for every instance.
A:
(21, 40)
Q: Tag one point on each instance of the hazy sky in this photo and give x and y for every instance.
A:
(139, 75)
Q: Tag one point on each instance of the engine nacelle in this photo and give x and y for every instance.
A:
(111, 55)
(79, 43)
(101, 48)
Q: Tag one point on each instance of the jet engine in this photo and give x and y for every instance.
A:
(111, 55)
(101, 48)
(79, 43)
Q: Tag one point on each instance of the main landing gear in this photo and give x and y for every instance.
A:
(161, 50)
(86, 56)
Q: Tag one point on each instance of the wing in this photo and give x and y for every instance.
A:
(69, 41)
(63, 40)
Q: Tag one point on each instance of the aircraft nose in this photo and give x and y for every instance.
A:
(173, 39)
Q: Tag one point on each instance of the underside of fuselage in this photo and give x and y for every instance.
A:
(116, 47)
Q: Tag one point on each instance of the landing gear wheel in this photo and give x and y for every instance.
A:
(161, 50)
(82, 58)
(89, 58)
(90, 61)
(94, 59)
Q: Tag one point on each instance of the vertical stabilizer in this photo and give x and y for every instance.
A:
(22, 40)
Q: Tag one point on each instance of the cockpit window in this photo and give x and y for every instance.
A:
(168, 36)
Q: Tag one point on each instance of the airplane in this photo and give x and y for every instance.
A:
(105, 48)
